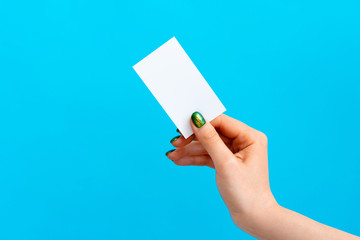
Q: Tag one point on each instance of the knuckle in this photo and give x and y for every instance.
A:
(210, 135)
(262, 137)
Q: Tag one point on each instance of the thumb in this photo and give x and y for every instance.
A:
(210, 139)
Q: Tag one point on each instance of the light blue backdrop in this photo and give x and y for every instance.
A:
(82, 140)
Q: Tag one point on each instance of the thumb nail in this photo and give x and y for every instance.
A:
(198, 119)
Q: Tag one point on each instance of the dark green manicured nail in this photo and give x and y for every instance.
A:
(198, 119)
(178, 130)
(174, 139)
(167, 153)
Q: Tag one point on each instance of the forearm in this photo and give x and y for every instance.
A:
(281, 223)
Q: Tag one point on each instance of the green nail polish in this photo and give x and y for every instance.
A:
(178, 130)
(198, 119)
(167, 153)
(174, 139)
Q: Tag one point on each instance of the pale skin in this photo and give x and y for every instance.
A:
(238, 153)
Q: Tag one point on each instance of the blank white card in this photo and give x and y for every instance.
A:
(178, 85)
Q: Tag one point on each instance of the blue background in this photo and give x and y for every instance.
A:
(82, 140)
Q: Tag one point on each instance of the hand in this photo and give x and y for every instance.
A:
(239, 155)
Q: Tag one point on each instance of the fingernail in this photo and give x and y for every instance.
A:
(174, 139)
(167, 153)
(198, 119)
(178, 130)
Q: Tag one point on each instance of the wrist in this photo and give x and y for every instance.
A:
(257, 217)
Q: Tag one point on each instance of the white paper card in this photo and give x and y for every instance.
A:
(178, 85)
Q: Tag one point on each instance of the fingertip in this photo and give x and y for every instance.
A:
(209, 138)
(197, 120)
(168, 153)
(198, 123)
(174, 139)
(179, 141)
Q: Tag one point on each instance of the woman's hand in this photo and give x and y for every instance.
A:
(239, 155)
